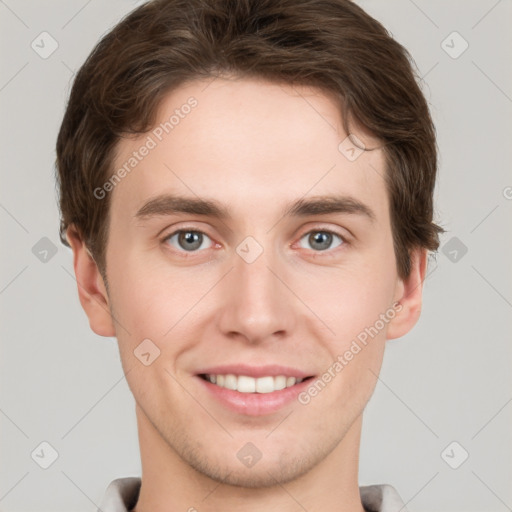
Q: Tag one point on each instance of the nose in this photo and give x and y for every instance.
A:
(257, 305)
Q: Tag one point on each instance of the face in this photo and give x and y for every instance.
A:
(262, 299)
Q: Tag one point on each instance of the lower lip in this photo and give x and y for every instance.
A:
(254, 404)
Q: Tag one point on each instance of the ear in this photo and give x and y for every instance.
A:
(409, 293)
(91, 288)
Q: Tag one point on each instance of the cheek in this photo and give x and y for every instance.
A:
(153, 300)
(348, 301)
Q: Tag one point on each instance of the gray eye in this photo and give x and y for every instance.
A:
(188, 240)
(320, 240)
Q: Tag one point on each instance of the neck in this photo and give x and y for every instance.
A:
(169, 483)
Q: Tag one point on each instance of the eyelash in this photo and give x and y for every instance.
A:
(328, 252)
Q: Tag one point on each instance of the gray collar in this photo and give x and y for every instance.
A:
(122, 495)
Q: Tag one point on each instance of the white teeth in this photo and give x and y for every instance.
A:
(279, 382)
(246, 384)
(265, 385)
(230, 381)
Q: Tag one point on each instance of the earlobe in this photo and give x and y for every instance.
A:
(409, 293)
(91, 288)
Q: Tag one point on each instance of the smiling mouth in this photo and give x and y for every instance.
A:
(247, 384)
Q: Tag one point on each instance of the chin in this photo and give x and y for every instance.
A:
(275, 467)
(263, 474)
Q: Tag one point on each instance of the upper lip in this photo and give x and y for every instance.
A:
(272, 370)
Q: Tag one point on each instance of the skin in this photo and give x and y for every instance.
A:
(253, 146)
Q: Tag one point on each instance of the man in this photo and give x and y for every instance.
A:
(247, 187)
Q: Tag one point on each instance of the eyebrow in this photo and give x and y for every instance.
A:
(169, 204)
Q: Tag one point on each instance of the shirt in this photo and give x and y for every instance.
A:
(122, 495)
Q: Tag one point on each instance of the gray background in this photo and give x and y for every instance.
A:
(448, 380)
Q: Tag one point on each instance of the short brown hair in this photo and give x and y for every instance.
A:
(329, 44)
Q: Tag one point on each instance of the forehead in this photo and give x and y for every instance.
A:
(249, 143)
